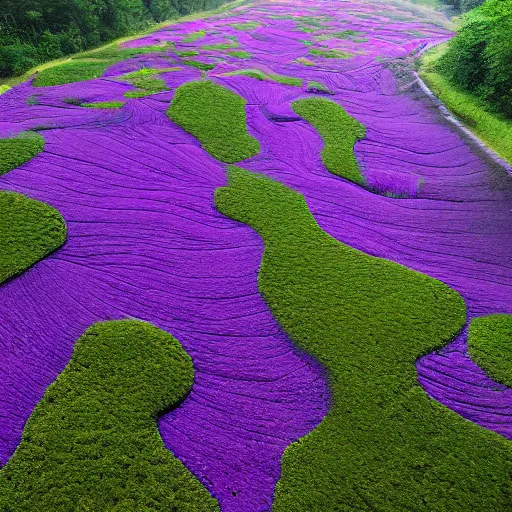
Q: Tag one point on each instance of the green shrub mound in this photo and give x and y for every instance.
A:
(479, 57)
(261, 75)
(216, 117)
(339, 132)
(92, 442)
(490, 346)
(15, 151)
(29, 231)
(384, 445)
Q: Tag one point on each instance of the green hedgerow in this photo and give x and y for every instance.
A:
(29, 231)
(384, 445)
(92, 442)
(339, 132)
(216, 117)
(490, 346)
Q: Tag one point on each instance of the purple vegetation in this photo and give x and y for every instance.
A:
(145, 241)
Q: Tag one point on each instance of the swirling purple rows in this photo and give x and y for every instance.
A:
(145, 241)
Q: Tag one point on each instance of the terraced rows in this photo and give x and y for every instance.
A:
(135, 180)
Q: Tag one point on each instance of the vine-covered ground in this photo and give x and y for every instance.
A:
(145, 241)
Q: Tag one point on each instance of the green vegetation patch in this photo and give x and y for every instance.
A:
(384, 444)
(15, 151)
(203, 66)
(333, 53)
(103, 104)
(71, 71)
(220, 46)
(339, 132)
(345, 34)
(260, 75)
(92, 442)
(490, 346)
(145, 80)
(29, 231)
(249, 25)
(304, 61)
(216, 117)
(240, 54)
(4, 88)
(194, 36)
(187, 53)
(318, 87)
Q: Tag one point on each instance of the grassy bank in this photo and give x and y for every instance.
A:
(493, 130)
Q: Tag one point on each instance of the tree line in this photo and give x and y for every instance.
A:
(36, 31)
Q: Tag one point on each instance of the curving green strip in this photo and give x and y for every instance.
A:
(103, 104)
(490, 346)
(384, 445)
(216, 117)
(29, 231)
(339, 132)
(15, 151)
(92, 442)
(261, 75)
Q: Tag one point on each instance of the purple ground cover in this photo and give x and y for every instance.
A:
(145, 241)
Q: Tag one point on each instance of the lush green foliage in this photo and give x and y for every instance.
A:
(260, 75)
(339, 132)
(494, 130)
(73, 71)
(29, 231)
(203, 66)
(384, 444)
(15, 151)
(479, 57)
(35, 31)
(103, 104)
(334, 53)
(216, 117)
(92, 442)
(490, 346)
(146, 81)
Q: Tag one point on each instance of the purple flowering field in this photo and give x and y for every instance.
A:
(145, 241)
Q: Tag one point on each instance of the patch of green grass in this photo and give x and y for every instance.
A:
(345, 34)
(384, 444)
(194, 36)
(244, 27)
(339, 132)
(260, 75)
(240, 54)
(204, 66)
(490, 346)
(495, 131)
(187, 53)
(92, 442)
(314, 86)
(29, 231)
(15, 151)
(4, 88)
(103, 104)
(334, 53)
(146, 82)
(216, 117)
(220, 46)
(304, 61)
(71, 71)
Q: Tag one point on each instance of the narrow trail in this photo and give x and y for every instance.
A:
(145, 241)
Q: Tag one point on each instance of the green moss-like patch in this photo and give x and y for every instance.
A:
(220, 46)
(15, 151)
(339, 132)
(4, 88)
(260, 75)
(240, 54)
(384, 444)
(92, 442)
(330, 54)
(244, 27)
(304, 61)
(73, 71)
(103, 104)
(187, 53)
(145, 79)
(318, 87)
(29, 231)
(216, 117)
(203, 66)
(490, 346)
(194, 36)
(352, 35)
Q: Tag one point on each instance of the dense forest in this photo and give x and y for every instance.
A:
(35, 31)
(479, 57)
